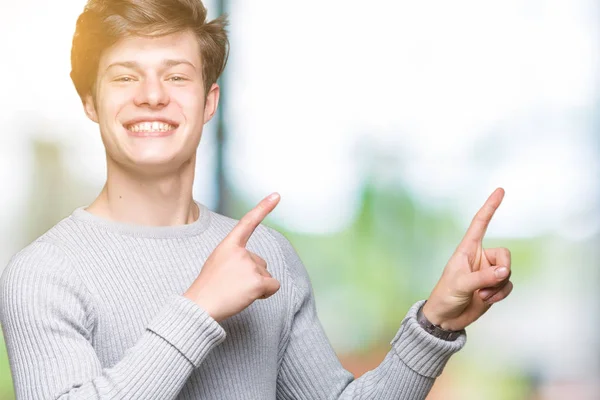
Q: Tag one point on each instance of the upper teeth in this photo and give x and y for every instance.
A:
(151, 127)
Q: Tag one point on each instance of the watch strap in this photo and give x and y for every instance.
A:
(434, 329)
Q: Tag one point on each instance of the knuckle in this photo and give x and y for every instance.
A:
(259, 269)
(480, 219)
(502, 294)
(509, 287)
(463, 256)
(247, 219)
(273, 286)
(259, 279)
(241, 253)
(276, 285)
(499, 296)
(482, 215)
(258, 210)
(257, 284)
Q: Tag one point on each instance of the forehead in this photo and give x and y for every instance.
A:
(151, 51)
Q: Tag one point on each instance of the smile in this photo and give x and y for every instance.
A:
(150, 127)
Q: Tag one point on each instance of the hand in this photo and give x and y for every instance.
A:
(232, 277)
(474, 278)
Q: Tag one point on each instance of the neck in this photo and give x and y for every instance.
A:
(131, 197)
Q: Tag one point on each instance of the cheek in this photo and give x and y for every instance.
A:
(191, 105)
(112, 104)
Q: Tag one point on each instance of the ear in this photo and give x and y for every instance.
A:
(89, 107)
(211, 103)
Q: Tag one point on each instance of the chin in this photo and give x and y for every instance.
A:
(159, 161)
(154, 155)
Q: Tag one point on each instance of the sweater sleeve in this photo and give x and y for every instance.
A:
(47, 318)
(310, 368)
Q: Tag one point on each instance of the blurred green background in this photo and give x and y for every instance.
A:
(384, 126)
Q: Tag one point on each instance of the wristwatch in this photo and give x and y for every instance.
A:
(434, 329)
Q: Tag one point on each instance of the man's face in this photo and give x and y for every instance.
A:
(150, 102)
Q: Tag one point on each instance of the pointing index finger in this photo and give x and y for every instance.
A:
(483, 217)
(241, 233)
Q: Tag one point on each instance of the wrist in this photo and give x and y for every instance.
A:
(429, 313)
(435, 329)
(205, 305)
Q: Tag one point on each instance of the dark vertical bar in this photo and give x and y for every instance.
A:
(220, 179)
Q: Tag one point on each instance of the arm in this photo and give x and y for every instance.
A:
(47, 317)
(310, 368)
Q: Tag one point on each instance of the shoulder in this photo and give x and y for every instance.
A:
(38, 259)
(34, 273)
(43, 252)
(37, 255)
(49, 246)
(40, 290)
(39, 281)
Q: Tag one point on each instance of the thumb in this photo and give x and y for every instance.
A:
(483, 278)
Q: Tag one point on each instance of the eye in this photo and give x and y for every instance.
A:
(124, 79)
(176, 78)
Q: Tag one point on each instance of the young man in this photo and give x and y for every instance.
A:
(147, 294)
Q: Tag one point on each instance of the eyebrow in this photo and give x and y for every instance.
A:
(167, 63)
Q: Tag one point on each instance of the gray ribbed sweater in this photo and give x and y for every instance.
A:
(93, 309)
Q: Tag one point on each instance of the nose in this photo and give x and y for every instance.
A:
(152, 93)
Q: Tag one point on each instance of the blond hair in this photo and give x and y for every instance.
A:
(104, 22)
